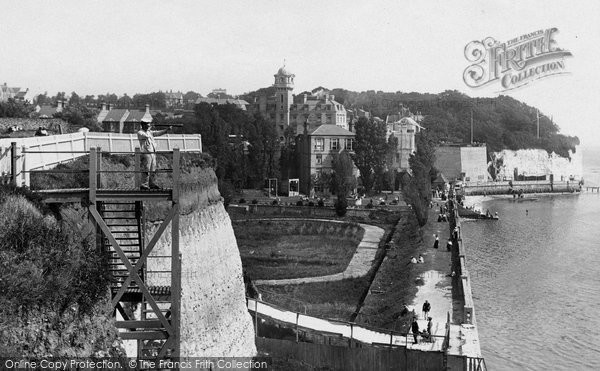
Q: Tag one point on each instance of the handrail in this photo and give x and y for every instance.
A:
(353, 330)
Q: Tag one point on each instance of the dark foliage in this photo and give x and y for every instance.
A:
(45, 262)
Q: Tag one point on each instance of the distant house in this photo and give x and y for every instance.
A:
(7, 92)
(239, 103)
(122, 120)
(173, 100)
(318, 148)
(403, 127)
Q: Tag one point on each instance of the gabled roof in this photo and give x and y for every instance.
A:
(135, 116)
(115, 115)
(331, 130)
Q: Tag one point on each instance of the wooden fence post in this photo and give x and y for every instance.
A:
(137, 162)
(13, 163)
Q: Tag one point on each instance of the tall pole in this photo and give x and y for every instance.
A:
(471, 126)
(538, 124)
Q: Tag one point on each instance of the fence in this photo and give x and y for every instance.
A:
(20, 155)
(331, 357)
(350, 331)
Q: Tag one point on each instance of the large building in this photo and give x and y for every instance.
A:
(462, 162)
(404, 128)
(288, 110)
(318, 149)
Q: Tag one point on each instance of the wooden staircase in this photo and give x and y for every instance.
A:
(126, 224)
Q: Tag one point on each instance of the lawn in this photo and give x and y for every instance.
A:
(278, 249)
(333, 300)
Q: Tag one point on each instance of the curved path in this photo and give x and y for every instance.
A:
(359, 264)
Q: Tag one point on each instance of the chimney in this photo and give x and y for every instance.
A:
(305, 127)
(332, 96)
(103, 106)
(304, 98)
(147, 108)
(350, 126)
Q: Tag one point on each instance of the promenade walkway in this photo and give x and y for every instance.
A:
(359, 265)
(436, 281)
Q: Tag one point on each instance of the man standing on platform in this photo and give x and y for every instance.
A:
(148, 148)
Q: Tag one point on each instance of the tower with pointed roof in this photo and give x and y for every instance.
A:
(284, 84)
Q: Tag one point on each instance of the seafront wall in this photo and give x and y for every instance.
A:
(544, 186)
(464, 352)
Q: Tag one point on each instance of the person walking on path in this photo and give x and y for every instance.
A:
(148, 148)
(426, 309)
(415, 329)
(449, 245)
(436, 244)
(429, 328)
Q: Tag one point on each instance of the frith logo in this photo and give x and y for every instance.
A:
(516, 62)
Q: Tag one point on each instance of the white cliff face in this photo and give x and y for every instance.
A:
(537, 162)
(214, 318)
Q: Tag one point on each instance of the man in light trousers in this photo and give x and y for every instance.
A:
(148, 149)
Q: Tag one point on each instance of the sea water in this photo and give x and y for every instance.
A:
(536, 279)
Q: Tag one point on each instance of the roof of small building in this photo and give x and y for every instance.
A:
(331, 130)
(115, 115)
(135, 116)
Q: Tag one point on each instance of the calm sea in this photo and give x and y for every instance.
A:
(536, 279)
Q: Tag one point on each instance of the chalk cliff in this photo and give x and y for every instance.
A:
(214, 317)
(537, 162)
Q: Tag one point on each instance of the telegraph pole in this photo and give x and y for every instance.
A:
(538, 123)
(471, 126)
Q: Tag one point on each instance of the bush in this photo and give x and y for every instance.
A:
(382, 203)
(254, 202)
(299, 203)
(320, 203)
(46, 262)
(242, 201)
(311, 204)
(274, 202)
(341, 206)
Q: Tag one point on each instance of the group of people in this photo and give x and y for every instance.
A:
(413, 260)
(425, 334)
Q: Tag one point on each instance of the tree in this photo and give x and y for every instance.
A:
(343, 180)
(125, 101)
(74, 99)
(416, 187)
(13, 108)
(370, 150)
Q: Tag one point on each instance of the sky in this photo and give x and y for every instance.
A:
(95, 47)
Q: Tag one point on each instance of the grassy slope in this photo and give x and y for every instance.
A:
(288, 249)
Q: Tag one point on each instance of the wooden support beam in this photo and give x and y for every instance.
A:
(138, 324)
(13, 163)
(175, 253)
(92, 176)
(133, 275)
(143, 335)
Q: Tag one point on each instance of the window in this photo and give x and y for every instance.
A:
(319, 159)
(335, 144)
(319, 144)
(350, 144)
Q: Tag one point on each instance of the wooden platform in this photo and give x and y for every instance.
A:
(80, 194)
